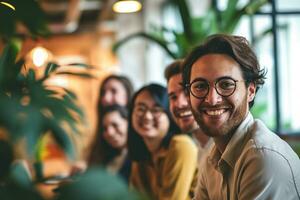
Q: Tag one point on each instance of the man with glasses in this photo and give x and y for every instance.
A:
(181, 111)
(248, 161)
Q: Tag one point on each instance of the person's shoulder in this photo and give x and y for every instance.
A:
(182, 139)
(181, 145)
(267, 147)
(264, 140)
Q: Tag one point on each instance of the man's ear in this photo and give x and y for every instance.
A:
(251, 91)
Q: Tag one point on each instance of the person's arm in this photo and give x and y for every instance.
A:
(267, 174)
(179, 171)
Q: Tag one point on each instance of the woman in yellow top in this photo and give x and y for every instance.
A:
(164, 163)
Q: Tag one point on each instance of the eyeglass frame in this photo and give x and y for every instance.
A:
(161, 110)
(189, 85)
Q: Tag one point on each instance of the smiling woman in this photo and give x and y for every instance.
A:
(110, 143)
(164, 162)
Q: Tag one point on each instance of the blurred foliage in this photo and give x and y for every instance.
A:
(6, 155)
(296, 146)
(16, 192)
(25, 13)
(14, 182)
(258, 109)
(196, 29)
(30, 108)
(97, 183)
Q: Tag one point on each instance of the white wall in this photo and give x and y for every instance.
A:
(143, 61)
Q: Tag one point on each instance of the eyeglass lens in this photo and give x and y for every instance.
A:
(224, 87)
(140, 110)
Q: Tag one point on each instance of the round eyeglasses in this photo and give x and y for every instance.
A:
(224, 86)
(140, 111)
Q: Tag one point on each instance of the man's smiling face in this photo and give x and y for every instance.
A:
(179, 105)
(215, 114)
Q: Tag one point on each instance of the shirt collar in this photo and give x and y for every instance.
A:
(234, 147)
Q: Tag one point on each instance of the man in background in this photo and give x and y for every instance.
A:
(181, 111)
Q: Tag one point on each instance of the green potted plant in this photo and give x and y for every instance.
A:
(29, 107)
(196, 29)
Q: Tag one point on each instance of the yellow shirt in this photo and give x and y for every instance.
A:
(172, 176)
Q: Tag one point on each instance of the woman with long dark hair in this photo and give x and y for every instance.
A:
(114, 97)
(110, 144)
(164, 162)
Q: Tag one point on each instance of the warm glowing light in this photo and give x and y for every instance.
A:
(8, 5)
(58, 81)
(39, 56)
(127, 6)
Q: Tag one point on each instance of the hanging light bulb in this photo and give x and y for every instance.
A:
(40, 56)
(127, 6)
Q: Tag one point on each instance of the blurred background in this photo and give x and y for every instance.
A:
(141, 43)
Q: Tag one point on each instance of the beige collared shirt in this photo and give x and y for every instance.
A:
(256, 164)
(203, 152)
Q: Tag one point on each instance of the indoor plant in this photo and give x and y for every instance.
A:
(196, 29)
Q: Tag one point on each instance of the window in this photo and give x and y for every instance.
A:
(277, 102)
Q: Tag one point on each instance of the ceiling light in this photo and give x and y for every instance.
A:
(40, 56)
(127, 6)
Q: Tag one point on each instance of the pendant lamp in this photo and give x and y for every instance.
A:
(127, 6)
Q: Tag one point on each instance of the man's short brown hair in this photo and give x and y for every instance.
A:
(173, 69)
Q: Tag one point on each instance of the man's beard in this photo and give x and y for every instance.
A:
(236, 116)
(186, 125)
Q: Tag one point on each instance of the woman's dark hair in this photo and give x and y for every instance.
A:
(100, 146)
(237, 48)
(123, 80)
(136, 146)
(101, 151)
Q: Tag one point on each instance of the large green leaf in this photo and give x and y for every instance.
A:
(233, 15)
(19, 174)
(197, 29)
(185, 17)
(182, 44)
(50, 68)
(7, 60)
(161, 42)
(62, 138)
(32, 16)
(28, 13)
(30, 108)
(228, 14)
